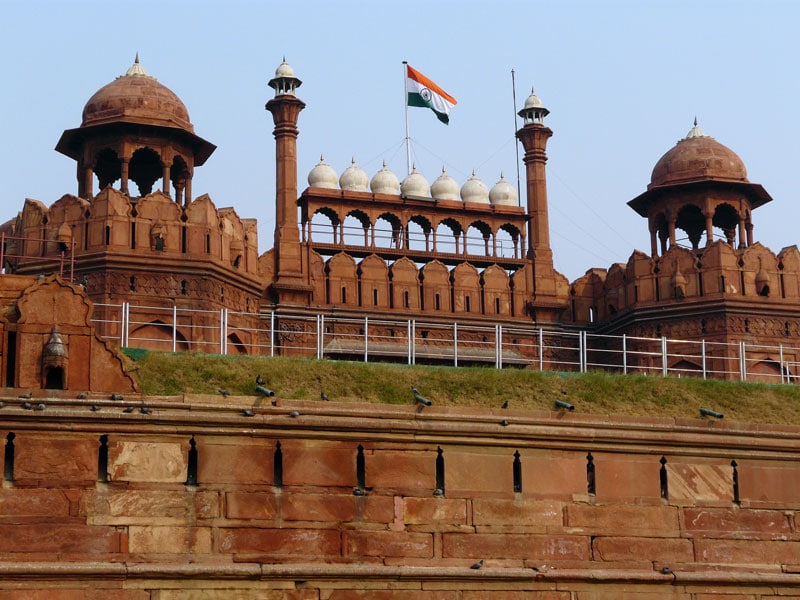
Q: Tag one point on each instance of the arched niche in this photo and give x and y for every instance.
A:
(496, 291)
(373, 277)
(466, 289)
(405, 284)
(341, 280)
(436, 289)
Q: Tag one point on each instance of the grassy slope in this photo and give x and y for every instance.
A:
(171, 374)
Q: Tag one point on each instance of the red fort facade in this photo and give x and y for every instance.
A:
(349, 247)
(204, 497)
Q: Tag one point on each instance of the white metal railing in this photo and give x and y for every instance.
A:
(416, 240)
(411, 340)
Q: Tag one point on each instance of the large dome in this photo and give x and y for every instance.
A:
(698, 157)
(136, 97)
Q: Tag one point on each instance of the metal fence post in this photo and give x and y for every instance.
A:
(664, 367)
(316, 334)
(413, 341)
(541, 350)
(366, 339)
(272, 333)
(624, 354)
(742, 362)
(500, 346)
(497, 359)
(455, 344)
(174, 328)
(408, 338)
(780, 350)
(225, 331)
(703, 351)
(123, 326)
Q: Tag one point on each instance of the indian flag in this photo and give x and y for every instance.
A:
(425, 93)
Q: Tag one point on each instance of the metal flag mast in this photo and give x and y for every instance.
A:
(516, 141)
(408, 136)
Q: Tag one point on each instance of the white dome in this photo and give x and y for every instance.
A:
(503, 193)
(354, 179)
(533, 101)
(474, 190)
(415, 185)
(385, 182)
(284, 70)
(445, 187)
(322, 176)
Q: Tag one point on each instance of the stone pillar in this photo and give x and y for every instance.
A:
(290, 285)
(534, 138)
(671, 226)
(548, 297)
(749, 228)
(165, 177)
(187, 191)
(124, 177)
(741, 233)
(88, 184)
(653, 240)
(709, 227)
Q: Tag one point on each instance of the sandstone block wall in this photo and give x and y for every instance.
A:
(355, 501)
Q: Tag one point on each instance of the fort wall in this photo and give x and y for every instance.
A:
(191, 498)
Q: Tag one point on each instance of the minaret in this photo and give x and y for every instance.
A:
(290, 285)
(534, 135)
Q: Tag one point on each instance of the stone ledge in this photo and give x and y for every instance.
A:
(310, 572)
(452, 425)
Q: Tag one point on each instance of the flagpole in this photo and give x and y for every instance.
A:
(408, 136)
(514, 96)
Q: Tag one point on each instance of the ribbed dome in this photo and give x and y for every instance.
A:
(698, 157)
(284, 70)
(354, 179)
(385, 182)
(533, 101)
(136, 97)
(322, 175)
(415, 185)
(474, 190)
(445, 187)
(503, 193)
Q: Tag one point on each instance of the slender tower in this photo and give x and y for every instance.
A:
(547, 289)
(289, 285)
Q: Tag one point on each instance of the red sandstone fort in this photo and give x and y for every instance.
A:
(193, 500)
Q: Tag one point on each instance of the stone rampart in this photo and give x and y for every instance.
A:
(190, 497)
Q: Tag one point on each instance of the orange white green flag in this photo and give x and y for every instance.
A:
(423, 92)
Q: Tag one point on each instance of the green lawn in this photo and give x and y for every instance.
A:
(170, 374)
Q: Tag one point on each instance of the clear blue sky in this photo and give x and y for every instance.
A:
(623, 81)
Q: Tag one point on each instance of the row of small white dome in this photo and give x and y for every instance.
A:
(385, 182)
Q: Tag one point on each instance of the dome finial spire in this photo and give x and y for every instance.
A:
(137, 68)
(695, 131)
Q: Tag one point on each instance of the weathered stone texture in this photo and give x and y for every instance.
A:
(147, 461)
(540, 547)
(555, 542)
(40, 460)
(302, 544)
(388, 543)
